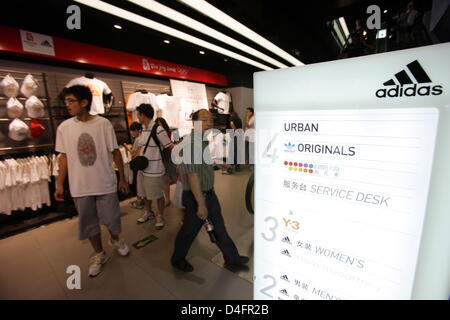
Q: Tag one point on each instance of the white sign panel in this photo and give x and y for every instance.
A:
(349, 190)
(351, 178)
(37, 43)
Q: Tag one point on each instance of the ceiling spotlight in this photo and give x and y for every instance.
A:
(167, 41)
(225, 59)
(118, 26)
(385, 11)
(201, 52)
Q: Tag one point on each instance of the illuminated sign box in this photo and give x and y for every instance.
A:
(351, 184)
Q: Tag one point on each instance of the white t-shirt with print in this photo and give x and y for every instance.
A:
(88, 146)
(155, 165)
(97, 87)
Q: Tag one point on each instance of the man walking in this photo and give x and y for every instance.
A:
(88, 146)
(201, 202)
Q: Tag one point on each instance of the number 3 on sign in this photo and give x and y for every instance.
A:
(272, 156)
(273, 229)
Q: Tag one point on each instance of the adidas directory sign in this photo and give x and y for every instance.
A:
(351, 194)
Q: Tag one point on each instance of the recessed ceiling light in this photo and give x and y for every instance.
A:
(226, 60)
(118, 26)
(201, 52)
(385, 11)
(166, 41)
(212, 12)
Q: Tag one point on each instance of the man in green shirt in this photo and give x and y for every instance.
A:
(201, 202)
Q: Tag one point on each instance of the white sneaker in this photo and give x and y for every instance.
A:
(120, 246)
(146, 216)
(97, 263)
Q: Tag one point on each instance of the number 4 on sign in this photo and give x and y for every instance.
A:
(272, 156)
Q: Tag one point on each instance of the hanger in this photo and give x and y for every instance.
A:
(141, 91)
(89, 75)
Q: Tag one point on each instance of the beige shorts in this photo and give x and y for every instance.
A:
(150, 188)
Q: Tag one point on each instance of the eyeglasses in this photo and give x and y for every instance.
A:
(69, 101)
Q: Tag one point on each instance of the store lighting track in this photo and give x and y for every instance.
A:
(224, 19)
(126, 15)
(200, 27)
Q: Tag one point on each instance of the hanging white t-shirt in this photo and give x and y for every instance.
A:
(88, 146)
(223, 102)
(155, 165)
(97, 87)
(138, 98)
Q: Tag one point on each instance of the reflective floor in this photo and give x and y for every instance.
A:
(33, 264)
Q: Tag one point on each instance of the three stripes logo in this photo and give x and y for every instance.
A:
(286, 240)
(284, 292)
(409, 82)
(286, 253)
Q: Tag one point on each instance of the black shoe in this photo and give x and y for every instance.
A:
(183, 265)
(236, 267)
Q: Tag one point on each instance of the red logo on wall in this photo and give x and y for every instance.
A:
(30, 37)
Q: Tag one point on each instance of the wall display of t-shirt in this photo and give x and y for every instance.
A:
(223, 100)
(138, 98)
(192, 97)
(351, 187)
(97, 87)
(170, 109)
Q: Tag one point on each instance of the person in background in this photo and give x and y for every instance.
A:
(163, 123)
(88, 146)
(200, 202)
(250, 135)
(135, 130)
(152, 183)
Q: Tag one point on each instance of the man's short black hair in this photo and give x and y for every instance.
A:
(135, 126)
(146, 109)
(81, 93)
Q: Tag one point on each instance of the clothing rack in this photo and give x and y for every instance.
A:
(26, 119)
(28, 147)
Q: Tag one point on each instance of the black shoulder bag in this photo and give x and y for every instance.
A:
(141, 162)
(171, 169)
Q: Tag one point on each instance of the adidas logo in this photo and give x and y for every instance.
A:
(289, 147)
(286, 253)
(284, 277)
(45, 43)
(406, 77)
(286, 240)
(284, 291)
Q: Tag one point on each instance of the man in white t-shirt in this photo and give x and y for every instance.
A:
(151, 180)
(88, 147)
